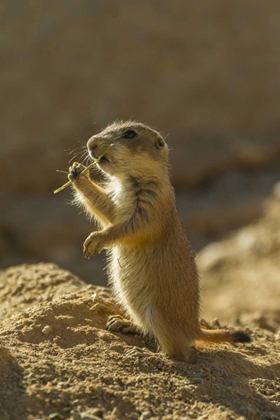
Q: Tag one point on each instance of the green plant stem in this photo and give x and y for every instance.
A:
(84, 170)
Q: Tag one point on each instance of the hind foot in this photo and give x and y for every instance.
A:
(116, 323)
(139, 352)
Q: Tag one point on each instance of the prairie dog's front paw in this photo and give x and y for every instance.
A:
(93, 245)
(75, 171)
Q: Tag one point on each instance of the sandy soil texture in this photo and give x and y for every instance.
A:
(240, 275)
(57, 361)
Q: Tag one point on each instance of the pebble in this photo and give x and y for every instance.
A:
(117, 348)
(105, 336)
(145, 415)
(56, 416)
(86, 416)
(47, 330)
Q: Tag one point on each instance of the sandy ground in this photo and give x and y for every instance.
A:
(57, 361)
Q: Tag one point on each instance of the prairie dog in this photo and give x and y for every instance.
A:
(151, 266)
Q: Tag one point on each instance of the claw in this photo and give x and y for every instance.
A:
(75, 170)
(93, 245)
(119, 324)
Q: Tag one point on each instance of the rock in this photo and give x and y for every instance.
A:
(56, 416)
(47, 330)
(244, 270)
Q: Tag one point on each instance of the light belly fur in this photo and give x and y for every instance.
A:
(129, 280)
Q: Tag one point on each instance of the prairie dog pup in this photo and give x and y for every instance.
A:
(151, 265)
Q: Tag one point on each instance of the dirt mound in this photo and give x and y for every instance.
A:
(21, 287)
(57, 361)
(240, 275)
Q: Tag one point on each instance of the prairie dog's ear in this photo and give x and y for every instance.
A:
(159, 143)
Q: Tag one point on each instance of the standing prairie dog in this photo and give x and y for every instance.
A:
(152, 268)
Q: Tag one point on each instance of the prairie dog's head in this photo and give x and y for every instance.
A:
(137, 149)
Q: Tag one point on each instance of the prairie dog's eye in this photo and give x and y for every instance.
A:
(129, 134)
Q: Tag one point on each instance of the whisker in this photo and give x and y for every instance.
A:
(67, 150)
(84, 153)
(83, 156)
(72, 158)
(74, 150)
(118, 137)
(85, 160)
(88, 160)
(75, 156)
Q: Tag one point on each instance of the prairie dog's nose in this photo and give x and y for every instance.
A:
(92, 146)
(92, 143)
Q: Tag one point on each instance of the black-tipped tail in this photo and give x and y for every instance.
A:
(224, 336)
(241, 337)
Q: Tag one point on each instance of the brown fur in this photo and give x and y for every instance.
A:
(151, 265)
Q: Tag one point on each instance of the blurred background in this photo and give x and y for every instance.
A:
(204, 73)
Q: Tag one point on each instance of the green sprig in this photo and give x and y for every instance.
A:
(84, 170)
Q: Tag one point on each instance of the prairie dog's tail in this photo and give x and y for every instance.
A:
(224, 336)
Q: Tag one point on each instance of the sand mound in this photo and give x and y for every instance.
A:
(57, 361)
(241, 274)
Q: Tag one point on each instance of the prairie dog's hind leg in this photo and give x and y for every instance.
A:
(117, 323)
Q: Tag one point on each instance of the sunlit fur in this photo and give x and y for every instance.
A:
(151, 265)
